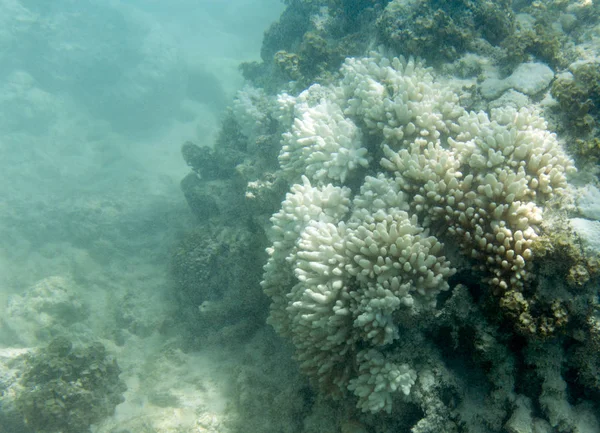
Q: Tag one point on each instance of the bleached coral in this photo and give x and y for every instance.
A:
(249, 108)
(256, 113)
(378, 379)
(346, 274)
(486, 186)
(350, 282)
(397, 97)
(303, 204)
(390, 249)
(323, 144)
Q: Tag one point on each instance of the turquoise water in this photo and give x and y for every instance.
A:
(299, 216)
(97, 98)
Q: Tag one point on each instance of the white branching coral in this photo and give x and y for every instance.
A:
(339, 286)
(345, 273)
(397, 98)
(486, 186)
(252, 110)
(390, 249)
(323, 144)
(378, 379)
(303, 204)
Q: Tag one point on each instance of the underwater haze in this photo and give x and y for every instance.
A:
(300, 216)
(96, 98)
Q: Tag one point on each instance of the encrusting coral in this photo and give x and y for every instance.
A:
(578, 95)
(443, 30)
(452, 189)
(68, 389)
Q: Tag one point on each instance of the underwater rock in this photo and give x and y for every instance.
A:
(51, 308)
(58, 388)
(12, 361)
(68, 389)
(439, 31)
(588, 231)
(528, 78)
(588, 202)
(216, 281)
(587, 225)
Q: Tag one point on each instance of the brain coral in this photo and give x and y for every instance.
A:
(347, 268)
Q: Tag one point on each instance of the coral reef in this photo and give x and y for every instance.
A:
(312, 38)
(427, 264)
(536, 38)
(51, 308)
(211, 189)
(66, 389)
(213, 285)
(243, 152)
(578, 92)
(310, 41)
(578, 95)
(215, 268)
(439, 31)
(357, 279)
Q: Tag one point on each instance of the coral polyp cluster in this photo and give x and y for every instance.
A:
(353, 273)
